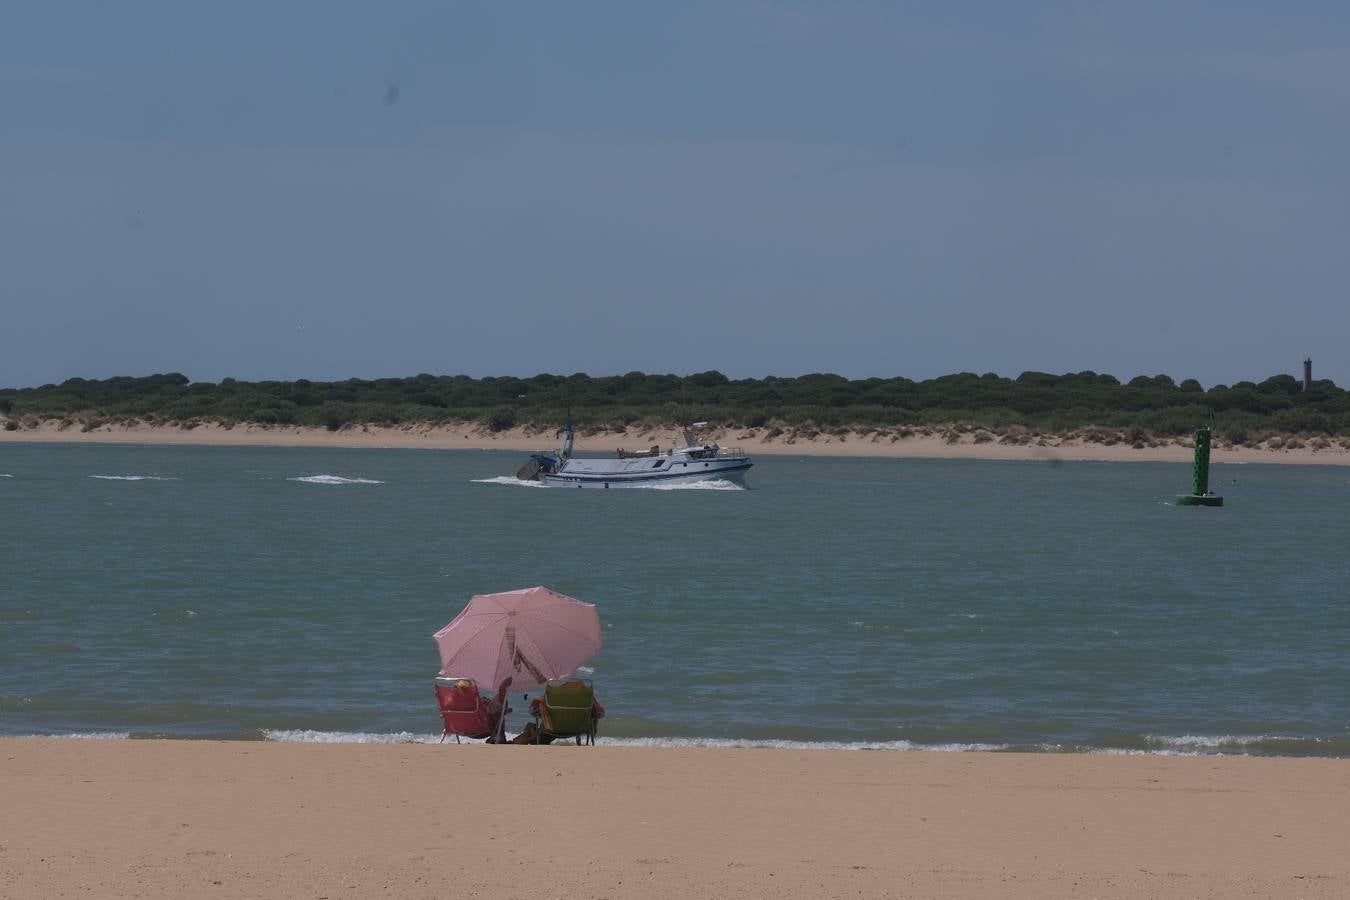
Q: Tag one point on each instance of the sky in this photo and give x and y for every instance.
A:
(337, 189)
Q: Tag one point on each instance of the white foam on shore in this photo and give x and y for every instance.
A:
(133, 477)
(1203, 742)
(1184, 745)
(748, 744)
(308, 736)
(508, 479)
(333, 479)
(406, 737)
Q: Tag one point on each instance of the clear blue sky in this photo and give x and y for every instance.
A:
(335, 189)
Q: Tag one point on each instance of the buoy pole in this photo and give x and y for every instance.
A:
(1200, 483)
(1200, 495)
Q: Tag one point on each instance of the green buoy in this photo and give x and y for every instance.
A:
(1200, 494)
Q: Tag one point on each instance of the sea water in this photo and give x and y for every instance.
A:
(291, 594)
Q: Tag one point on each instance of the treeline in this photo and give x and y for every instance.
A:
(1045, 402)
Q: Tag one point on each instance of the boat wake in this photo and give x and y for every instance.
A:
(133, 477)
(333, 479)
(715, 484)
(508, 479)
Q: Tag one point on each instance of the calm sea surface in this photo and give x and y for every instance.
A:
(291, 594)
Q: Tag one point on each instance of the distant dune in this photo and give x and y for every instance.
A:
(935, 442)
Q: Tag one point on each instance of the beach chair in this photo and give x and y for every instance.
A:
(567, 709)
(464, 712)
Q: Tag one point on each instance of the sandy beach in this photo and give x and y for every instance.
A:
(936, 443)
(244, 819)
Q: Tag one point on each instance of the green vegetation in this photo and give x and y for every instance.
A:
(1034, 402)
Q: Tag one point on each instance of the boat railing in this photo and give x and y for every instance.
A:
(695, 452)
(721, 452)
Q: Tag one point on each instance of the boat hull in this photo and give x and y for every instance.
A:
(714, 470)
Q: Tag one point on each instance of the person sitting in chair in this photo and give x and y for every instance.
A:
(531, 733)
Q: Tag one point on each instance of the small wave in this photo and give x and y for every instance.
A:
(308, 736)
(508, 479)
(333, 479)
(3, 475)
(88, 736)
(133, 477)
(1204, 745)
(1205, 741)
(1244, 744)
(748, 744)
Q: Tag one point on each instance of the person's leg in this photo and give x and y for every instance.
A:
(499, 734)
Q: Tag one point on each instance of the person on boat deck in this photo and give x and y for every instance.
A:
(531, 734)
(496, 710)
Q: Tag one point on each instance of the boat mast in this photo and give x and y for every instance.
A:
(689, 437)
(568, 438)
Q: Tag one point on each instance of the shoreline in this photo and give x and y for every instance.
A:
(1187, 747)
(919, 443)
(247, 819)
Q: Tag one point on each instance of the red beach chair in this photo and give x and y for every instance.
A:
(465, 712)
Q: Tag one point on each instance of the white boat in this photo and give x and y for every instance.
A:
(695, 461)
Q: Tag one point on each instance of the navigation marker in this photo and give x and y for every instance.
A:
(1200, 494)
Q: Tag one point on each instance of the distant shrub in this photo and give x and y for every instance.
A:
(332, 415)
(1152, 407)
(500, 419)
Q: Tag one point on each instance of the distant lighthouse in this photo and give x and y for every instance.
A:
(1307, 374)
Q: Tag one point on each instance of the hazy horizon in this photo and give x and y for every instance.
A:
(337, 190)
(1123, 379)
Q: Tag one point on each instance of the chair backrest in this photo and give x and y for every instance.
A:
(567, 706)
(462, 708)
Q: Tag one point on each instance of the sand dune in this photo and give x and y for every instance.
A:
(937, 443)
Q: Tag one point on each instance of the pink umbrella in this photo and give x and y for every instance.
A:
(531, 636)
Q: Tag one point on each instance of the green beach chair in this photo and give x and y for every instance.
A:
(567, 709)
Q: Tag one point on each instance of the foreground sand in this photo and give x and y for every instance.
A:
(241, 819)
(759, 441)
